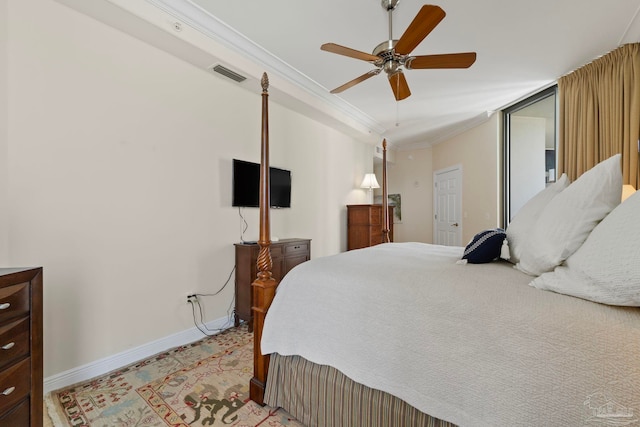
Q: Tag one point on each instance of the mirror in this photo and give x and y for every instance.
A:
(530, 136)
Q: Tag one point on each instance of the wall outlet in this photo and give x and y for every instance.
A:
(191, 298)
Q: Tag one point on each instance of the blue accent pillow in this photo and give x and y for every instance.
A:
(485, 246)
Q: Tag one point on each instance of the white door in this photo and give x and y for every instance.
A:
(447, 203)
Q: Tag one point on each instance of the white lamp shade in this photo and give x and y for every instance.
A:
(627, 190)
(370, 181)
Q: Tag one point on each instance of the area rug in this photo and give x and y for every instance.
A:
(201, 384)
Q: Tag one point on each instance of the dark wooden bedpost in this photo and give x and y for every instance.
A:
(264, 287)
(385, 200)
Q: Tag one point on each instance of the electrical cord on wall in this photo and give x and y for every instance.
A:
(243, 224)
(200, 323)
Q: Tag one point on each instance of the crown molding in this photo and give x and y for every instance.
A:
(215, 29)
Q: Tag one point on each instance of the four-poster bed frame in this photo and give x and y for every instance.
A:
(490, 349)
(264, 287)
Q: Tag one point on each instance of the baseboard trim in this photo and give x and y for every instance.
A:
(111, 363)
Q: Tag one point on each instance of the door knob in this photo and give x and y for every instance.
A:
(455, 224)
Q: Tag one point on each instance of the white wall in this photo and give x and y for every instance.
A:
(119, 180)
(4, 226)
(327, 168)
(411, 175)
(478, 151)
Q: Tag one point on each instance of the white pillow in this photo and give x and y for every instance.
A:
(520, 226)
(570, 216)
(606, 268)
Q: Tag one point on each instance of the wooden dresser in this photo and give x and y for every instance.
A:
(285, 254)
(364, 225)
(21, 371)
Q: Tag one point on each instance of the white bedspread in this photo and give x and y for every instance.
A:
(470, 344)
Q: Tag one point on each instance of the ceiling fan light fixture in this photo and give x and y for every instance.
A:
(391, 67)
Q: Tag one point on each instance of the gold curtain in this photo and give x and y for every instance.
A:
(600, 114)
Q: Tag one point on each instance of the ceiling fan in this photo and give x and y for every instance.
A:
(394, 55)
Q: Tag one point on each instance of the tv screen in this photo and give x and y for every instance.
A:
(246, 185)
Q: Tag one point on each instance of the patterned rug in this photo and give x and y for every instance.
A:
(205, 383)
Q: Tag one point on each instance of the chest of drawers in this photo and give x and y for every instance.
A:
(21, 372)
(364, 225)
(285, 254)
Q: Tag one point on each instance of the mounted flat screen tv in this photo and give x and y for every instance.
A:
(246, 185)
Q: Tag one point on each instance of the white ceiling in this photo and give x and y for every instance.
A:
(521, 47)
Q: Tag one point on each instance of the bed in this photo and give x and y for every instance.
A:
(416, 334)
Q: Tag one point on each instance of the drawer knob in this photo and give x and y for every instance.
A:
(4, 305)
(8, 346)
(8, 391)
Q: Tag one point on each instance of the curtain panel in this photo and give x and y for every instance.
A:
(599, 114)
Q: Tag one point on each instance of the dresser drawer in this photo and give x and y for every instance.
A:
(359, 215)
(18, 416)
(375, 216)
(14, 341)
(296, 248)
(14, 301)
(15, 383)
(275, 250)
(291, 262)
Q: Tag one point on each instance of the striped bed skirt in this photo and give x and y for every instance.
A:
(319, 395)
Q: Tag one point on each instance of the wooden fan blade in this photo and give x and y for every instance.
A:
(448, 60)
(425, 21)
(347, 51)
(357, 80)
(399, 86)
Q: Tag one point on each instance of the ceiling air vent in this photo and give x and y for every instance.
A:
(228, 73)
